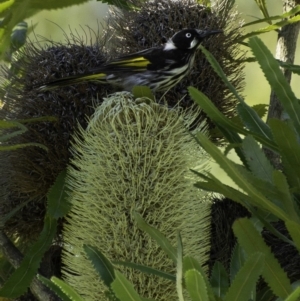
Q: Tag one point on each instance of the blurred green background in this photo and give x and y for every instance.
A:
(52, 24)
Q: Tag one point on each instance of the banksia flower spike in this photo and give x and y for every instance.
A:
(134, 157)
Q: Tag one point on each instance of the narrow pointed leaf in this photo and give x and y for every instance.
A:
(66, 289)
(238, 259)
(253, 122)
(157, 236)
(244, 283)
(101, 264)
(252, 242)
(230, 168)
(195, 285)
(58, 205)
(277, 80)
(22, 145)
(190, 263)
(219, 279)
(224, 123)
(179, 268)
(294, 231)
(19, 281)
(294, 296)
(257, 160)
(123, 289)
(263, 7)
(57, 290)
(147, 270)
(287, 141)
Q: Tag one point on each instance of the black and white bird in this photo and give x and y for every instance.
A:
(159, 68)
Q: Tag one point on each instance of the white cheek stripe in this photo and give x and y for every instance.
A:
(193, 44)
(169, 45)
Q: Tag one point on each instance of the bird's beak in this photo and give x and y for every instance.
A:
(206, 33)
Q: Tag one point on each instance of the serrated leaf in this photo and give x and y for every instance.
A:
(234, 173)
(58, 205)
(219, 279)
(293, 68)
(238, 259)
(66, 289)
(287, 199)
(277, 80)
(101, 264)
(190, 263)
(271, 27)
(123, 289)
(287, 141)
(157, 236)
(146, 270)
(294, 296)
(195, 285)
(253, 122)
(142, 91)
(19, 281)
(294, 231)
(225, 125)
(257, 160)
(288, 14)
(244, 283)
(252, 242)
(56, 289)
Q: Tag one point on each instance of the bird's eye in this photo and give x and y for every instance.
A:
(188, 35)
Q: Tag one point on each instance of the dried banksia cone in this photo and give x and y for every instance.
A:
(27, 173)
(134, 157)
(160, 19)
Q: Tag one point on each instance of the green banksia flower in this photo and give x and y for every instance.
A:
(134, 156)
(27, 173)
(159, 19)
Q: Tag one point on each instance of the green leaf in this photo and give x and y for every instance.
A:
(57, 290)
(253, 122)
(288, 14)
(243, 182)
(142, 92)
(287, 141)
(157, 236)
(6, 5)
(252, 242)
(294, 296)
(277, 80)
(58, 205)
(238, 259)
(66, 289)
(196, 286)
(219, 280)
(257, 160)
(263, 7)
(179, 268)
(294, 231)
(243, 284)
(271, 27)
(18, 146)
(287, 199)
(293, 68)
(123, 4)
(224, 123)
(101, 264)
(21, 278)
(190, 263)
(146, 270)
(123, 289)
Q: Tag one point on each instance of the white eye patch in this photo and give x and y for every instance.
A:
(188, 35)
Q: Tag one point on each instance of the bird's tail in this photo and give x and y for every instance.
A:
(71, 80)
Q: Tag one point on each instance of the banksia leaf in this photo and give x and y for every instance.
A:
(252, 242)
(219, 280)
(196, 285)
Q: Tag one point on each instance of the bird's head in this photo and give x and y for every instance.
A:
(189, 38)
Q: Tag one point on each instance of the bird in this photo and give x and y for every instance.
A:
(159, 68)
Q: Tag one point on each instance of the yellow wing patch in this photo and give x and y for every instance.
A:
(94, 76)
(135, 62)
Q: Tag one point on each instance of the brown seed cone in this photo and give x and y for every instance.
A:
(27, 173)
(157, 20)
